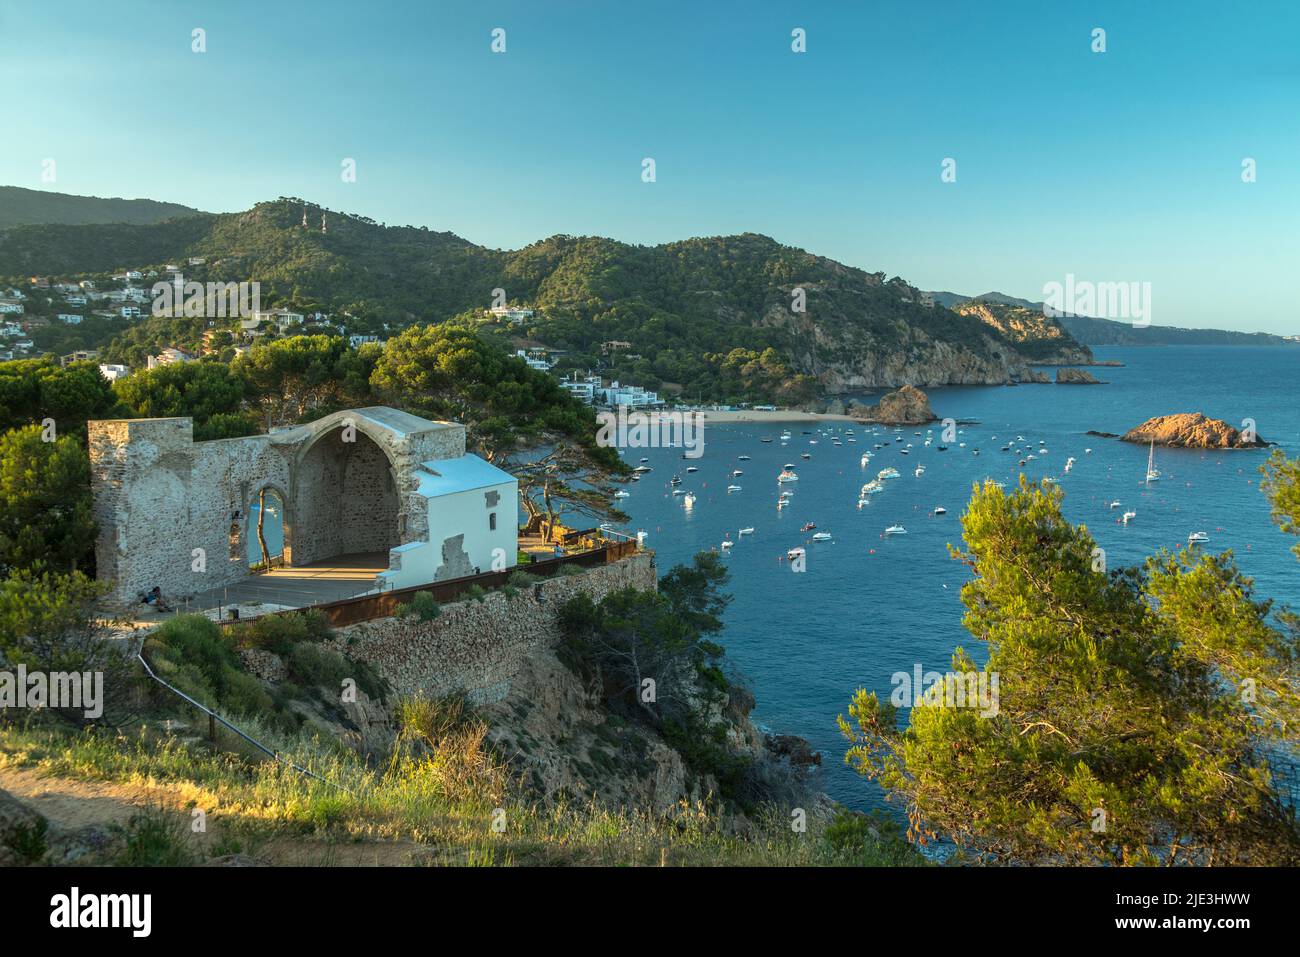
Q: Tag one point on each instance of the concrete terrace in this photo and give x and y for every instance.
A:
(296, 586)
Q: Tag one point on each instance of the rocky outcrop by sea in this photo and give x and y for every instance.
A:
(1076, 377)
(905, 406)
(1192, 430)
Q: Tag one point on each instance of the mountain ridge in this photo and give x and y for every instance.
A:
(20, 206)
(693, 312)
(1095, 331)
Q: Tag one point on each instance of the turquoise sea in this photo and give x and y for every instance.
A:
(868, 605)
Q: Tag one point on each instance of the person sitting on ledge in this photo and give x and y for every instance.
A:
(155, 599)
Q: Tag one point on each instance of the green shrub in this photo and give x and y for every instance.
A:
(474, 593)
(27, 841)
(280, 633)
(246, 695)
(316, 667)
(196, 647)
(524, 580)
(421, 605)
(313, 665)
(156, 837)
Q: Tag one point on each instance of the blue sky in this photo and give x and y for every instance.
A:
(1118, 166)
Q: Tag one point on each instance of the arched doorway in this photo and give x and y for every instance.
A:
(268, 530)
(346, 500)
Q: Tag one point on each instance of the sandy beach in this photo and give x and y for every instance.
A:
(750, 415)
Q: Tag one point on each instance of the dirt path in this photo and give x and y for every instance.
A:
(72, 803)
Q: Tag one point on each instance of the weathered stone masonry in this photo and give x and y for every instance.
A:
(349, 483)
(477, 647)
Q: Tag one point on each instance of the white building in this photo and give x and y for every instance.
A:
(131, 312)
(630, 395)
(70, 318)
(471, 503)
(112, 371)
(11, 306)
(541, 365)
(355, 341)
(169, 356)
(511, 313)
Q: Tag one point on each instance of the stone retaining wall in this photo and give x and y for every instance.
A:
(476, 647)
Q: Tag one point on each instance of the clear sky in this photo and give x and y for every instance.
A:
(1116, 166)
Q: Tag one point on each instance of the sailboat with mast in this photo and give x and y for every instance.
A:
(1153, 473)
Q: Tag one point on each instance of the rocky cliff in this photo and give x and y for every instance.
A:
(1040, 337)
(563, 744)
(1076, 377)
(1192, 430)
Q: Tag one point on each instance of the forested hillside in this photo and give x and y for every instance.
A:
(699, 317)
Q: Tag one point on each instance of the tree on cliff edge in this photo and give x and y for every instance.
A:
(1139, 717)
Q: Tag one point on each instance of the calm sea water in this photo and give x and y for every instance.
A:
(869, 606)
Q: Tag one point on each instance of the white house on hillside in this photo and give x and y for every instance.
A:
(473, 511)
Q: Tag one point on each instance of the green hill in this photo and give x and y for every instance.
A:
(717, 317)
(25, 207)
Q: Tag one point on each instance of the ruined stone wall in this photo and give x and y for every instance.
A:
(158, 496)
(476, 647)
(368, 500)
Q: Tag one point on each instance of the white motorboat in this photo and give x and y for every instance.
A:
(691, 468)
(890, 473)
(733, 488)
(875, 485)
(1198, 538)
(746, 531)
(866, 457)
(1114, 504)
(643, 469)
(919, 471)
(821, 536)
(679, 491)
(796, 552)
(939, 510)
(782, 503)
(689, 500)
(1128, 517)
(787, 475)
(863, 502)
(1069, 463)
(621, 494)
(727, 543)
(895, 530)
(735, 472)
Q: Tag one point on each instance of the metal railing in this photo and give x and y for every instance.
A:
(213, 716)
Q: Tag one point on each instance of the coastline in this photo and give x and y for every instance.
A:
(712, 417)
